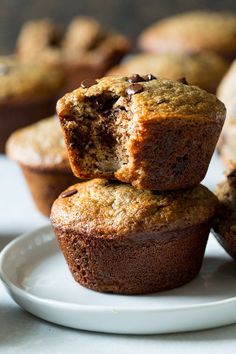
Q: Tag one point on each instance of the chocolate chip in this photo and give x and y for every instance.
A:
(88, 83)
(135, 78)
(149, 77)
(232, 174)
(133, 89)
(3, 69)
(68, 193)
(183, 81)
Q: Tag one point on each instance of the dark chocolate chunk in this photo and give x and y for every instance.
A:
(135, 78)
(3, 69)
(149, 77)
(88, 83)
(232, 174)
(183, 81)
(69, 193)
(133, 89)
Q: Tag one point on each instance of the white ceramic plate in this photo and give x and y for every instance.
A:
(37, 278)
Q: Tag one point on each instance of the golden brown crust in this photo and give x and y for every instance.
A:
(86, 49)
(28, 82)
(40, 40)
(192, 32)
(106, 209)
(204, 69)
(116, 238)
(40, 145)
(168, 132)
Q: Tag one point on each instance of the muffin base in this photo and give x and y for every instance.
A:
(45, 186)
(19, 115)
(139, 264)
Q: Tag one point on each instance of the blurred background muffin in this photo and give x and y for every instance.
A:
(204, 69)
(85, 50)
(192, 32)
(225, 222)
(28, 92)
(227, 93)
(40, 151)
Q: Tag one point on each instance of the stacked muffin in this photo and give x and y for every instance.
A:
(141, 224)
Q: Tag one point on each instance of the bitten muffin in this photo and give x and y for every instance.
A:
(28, 92)
(193, 32)
(41, 153)
(85, 50)
(156, 134)
(204, 69)
(118, 239)
(225, 222)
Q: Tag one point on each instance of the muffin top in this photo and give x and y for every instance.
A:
(85, 41)
(146, 97)
(23, 82)
(37, 37)
(39, 145)
(225, 222)
(201, 69)
(117, 209)
(193, 32)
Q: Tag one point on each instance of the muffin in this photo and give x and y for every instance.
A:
(227, 90)
(28, 92)
(227, 94)
(85, 50)
(227, 143)
(118, 239)
(192, 32)
(156, 134)
(201, 69)
(225, 222)
(40, 151)
(40, 40)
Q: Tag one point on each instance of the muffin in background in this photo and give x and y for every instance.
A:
(227, 94)
(225, 222)
(85, 50)
(40, 151)
(118, 239)
(201, 69)
(28, 92)
(40, 40)
(192, 32)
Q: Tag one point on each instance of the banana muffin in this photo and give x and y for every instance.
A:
(193, 32)
(227, 143)
(41, 153)
(86, 49)
(28, 92)
(227, 94)
(225, 222)
(201, 69)
(119, 239)
(156, 134)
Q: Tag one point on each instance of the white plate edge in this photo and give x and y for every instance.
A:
(91, 308)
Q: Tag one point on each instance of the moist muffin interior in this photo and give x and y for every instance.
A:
(101, 132)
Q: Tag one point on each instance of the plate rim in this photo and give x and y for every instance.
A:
(85, 307)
